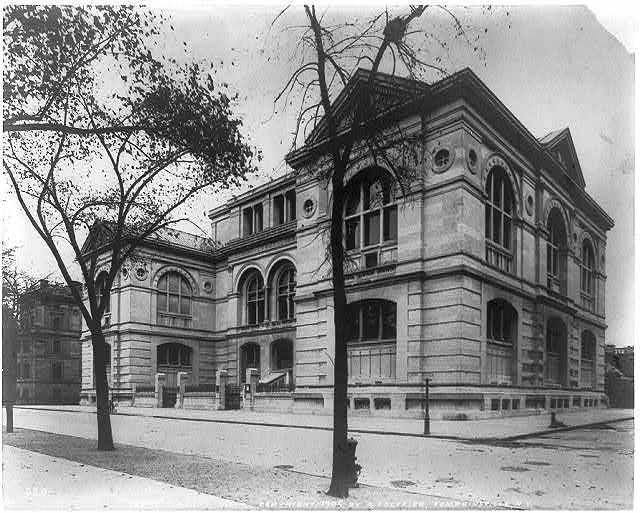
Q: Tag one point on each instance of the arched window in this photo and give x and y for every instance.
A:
(371, 213)
(587, 359)
(174, 294)
(502, 333)
(101, 285)
(371, 331)
(586, 275)
(556, 251)
(255, 299)
(286, 291)
(498, 219)
(556, 351)
(249, 359)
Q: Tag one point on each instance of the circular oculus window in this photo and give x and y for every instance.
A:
(208, 287)
(308, 207)
(472, 160)
(529, 205)
(442, 160)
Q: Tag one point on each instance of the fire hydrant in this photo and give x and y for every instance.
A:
(352, 468)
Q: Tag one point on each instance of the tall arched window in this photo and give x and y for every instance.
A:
(174, 294)
(255, 299)
(556, 251)
(101, 285)
(587, 359)
(498, 220)
(371, 214)
(371, 331)
(586, 275)
(286, 291)
(502, 333)
(556, 367)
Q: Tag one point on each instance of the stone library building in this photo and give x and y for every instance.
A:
(484, 273)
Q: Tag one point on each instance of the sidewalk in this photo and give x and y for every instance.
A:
(33, 480)
(499, 428)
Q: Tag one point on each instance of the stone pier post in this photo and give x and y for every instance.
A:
(183, 377)
(222, 377)
(160, 380)
(253, 375)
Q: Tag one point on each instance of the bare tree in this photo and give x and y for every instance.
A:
(329, 55)
(104, 140)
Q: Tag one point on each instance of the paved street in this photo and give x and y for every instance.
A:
(585, 469)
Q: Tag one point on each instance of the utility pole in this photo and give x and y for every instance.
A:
(427, 426)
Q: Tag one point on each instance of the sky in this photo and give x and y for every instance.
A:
(553, 67)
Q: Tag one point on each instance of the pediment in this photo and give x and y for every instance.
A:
(559, 145)
(389, 92)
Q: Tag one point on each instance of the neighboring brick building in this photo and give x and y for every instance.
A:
(486, 274)
(621, 358)
(49, 356)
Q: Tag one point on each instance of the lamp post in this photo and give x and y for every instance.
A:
(427, 426)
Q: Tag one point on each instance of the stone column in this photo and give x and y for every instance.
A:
(222, 377)
(183, 377)
(253, 375)
(160, 380)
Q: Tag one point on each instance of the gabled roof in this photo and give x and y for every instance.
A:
(390, 91)
(102, 233)
(560, 145)
(420, 97)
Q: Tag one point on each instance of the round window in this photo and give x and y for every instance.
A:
(473, 158)
(208, 287)
(442, 158)
(308, 207)
(530, 204)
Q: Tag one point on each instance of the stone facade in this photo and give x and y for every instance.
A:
(49, 357)
(484, 273)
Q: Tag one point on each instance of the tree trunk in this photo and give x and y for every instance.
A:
(105, 437)
(339, 477)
